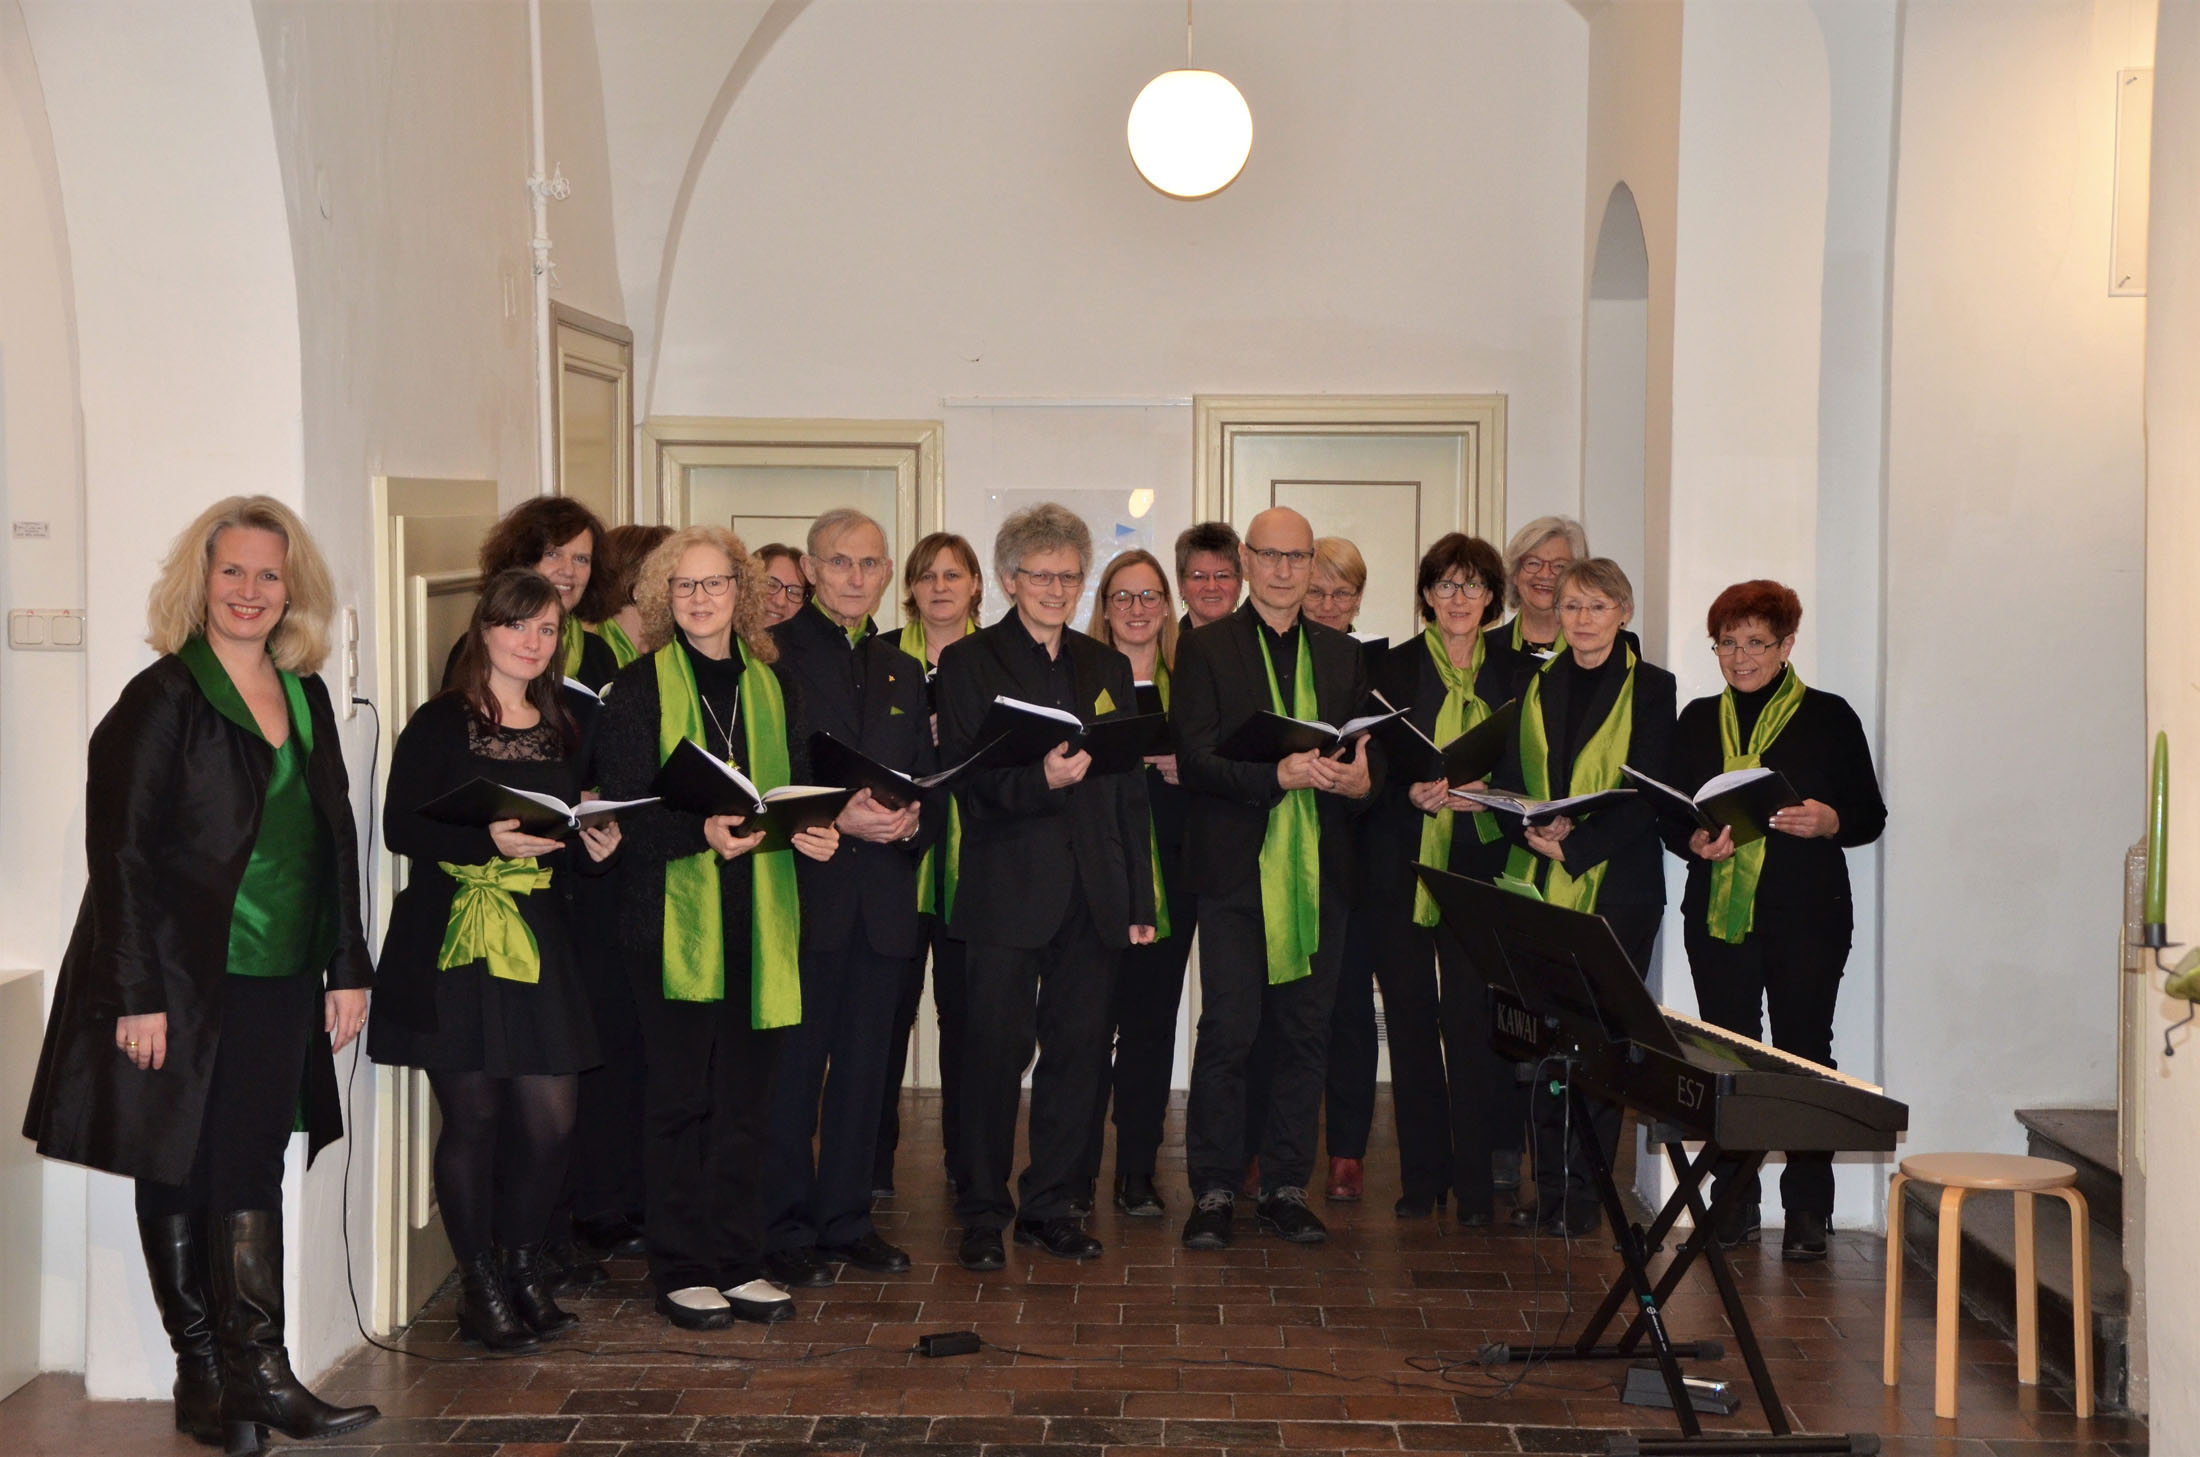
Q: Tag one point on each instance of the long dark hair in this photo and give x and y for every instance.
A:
(512, 596)
(528, 531)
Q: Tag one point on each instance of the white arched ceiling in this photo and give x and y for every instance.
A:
(1615, 382)
(671, 72)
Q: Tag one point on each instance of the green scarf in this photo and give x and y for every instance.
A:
(1153, 831)
(1520, 643)
(485, 923)
(856, 631)
(1461, 710)
(571, 637)
(622, 647)
(1733, 909)
(1595, 767)
(1290, 853)
(936, 871)
(695, 954)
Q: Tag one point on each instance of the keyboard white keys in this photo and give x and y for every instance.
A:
(1737, 1040)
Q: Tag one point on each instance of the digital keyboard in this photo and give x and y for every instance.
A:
(1711, 1083)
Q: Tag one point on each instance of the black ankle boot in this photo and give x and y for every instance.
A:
(527, 1285)
(485, 1311)
(175, 1256)
(245, 1266)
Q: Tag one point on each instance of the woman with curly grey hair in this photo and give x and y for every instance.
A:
(712, 923)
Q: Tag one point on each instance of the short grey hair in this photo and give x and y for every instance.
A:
(832, 523)
(1045, 527)
(1603, 576)
(1533, 535)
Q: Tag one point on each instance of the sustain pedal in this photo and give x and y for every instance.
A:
(1646, 1387)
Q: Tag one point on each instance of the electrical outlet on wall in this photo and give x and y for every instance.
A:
(350, 661)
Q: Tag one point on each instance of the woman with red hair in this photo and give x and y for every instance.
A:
(1767, 924)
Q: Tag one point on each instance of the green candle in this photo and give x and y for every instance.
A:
(2158, 835)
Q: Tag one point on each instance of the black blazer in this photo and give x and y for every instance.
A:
(1220, 683)
(891, 722)
(1024, 844)
(1406, 676)
(171, 811)
(1626, 836)
(1824, 754)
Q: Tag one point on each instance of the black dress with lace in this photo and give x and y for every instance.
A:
(464, 1019)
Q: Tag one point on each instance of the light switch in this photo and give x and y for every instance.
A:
(46, 629)
(68, 631)
(26, 630)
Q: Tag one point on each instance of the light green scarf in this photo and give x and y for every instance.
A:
(571, 638)
(1732, 913)
(622, 647)
(1520, 643)
(1596, 767)
(1290, 853)
(936, 871)
(485, 923)
(1461, 710)
(695, 948)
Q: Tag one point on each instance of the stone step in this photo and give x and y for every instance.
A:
(1989, 1278)
(2084, 1138)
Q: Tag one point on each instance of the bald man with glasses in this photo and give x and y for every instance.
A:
(1270, 855)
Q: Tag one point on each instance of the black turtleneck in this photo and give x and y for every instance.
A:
(1582, 686)
(718, 684)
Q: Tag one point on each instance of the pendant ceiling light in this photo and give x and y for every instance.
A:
(1190, 130)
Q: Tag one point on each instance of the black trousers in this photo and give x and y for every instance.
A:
(1236, 1000)
(706, 1128)
(267, 1023)
(1797, 973)
(1350, 1102)
(1562, 1178)
(1453, 1094)
(831, 1080)
(1149, 988)
(1054, 998)
(604, 1177)
(948, 957)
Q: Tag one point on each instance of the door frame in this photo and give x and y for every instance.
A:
(674, 444)
(1479, 419)
(606, 353)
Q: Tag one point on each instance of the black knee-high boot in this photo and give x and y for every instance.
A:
(175, 1257)
(259, 1391)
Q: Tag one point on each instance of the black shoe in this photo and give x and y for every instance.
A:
(616, 1235)
(1504, 1171)
(1062, 1238)
(868, 1253)
(486, 1316)
(1284, 1214)
(1739, 1226)
(798, 1269)
(1136, 1196)
(1474, 1219)
(981, 1250)
(1417, 1206)
(696, 1308)
(1209, 1226)
(1805, 1238)
(527, 1288)
(568, 1268)
(1562, 1222)
(175, 1256)
(760, 1302)
(1080, 1203)
(259, 1391)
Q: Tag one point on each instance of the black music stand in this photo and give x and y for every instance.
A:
(1562, 989)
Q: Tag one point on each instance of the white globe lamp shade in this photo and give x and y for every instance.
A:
(1190, 133)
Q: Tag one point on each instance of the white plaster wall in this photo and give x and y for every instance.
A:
(922, 201)
(187, 332)
(584, 256)
(42, 724)
(2014, 530)
(2171, 1088)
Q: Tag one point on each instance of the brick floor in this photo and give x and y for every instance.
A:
(1364, 1344)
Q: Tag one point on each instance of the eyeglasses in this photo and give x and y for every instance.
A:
(843, 565)
(712, 586)
(1756, 647)
(1201, 579)
(1271, 558)
(1148, 598)
(1589, 609)
(1536, 566)
(1447, 589)
(1342, 596)
(794, 592)
(1071, 580)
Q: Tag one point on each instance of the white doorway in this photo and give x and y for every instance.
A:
(1615, 399)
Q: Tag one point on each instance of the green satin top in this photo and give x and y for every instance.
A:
(280, 924)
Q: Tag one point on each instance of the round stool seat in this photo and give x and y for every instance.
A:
(2011, 1171)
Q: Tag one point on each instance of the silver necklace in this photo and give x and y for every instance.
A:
(716, 722)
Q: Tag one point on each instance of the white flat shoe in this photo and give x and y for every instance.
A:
(760, 1301)
(696, 1308)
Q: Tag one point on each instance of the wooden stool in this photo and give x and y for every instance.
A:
(1958, 1174)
